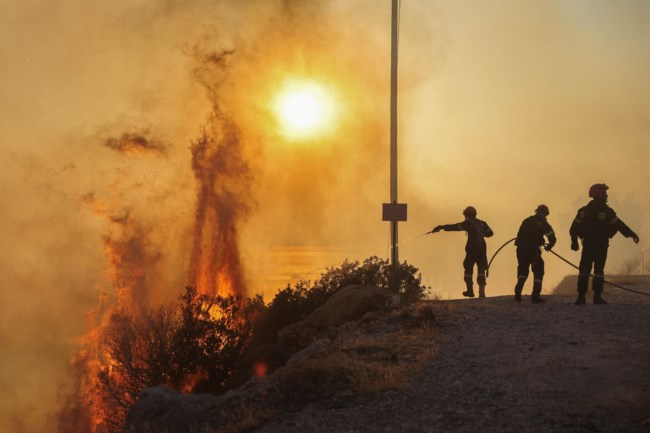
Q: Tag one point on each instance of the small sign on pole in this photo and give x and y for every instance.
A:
(393, 212)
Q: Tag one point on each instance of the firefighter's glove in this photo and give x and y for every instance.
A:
(436, 229)
(574, 245)
(549, 246)
(635, 238)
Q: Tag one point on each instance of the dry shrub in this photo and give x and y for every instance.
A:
(248, 419)
(362, 361)
(347, 372)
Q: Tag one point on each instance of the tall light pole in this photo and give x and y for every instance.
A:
(394, 211)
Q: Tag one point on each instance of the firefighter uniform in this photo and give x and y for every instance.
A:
(475, 249)
(595, 224)
(530, 239)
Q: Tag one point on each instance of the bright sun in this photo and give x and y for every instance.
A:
(304, 109)
(301, 110)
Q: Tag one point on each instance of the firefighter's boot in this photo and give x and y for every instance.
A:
(581, 299)
(537, 290)
(598, 298)
(469, 293)
(518, 288)
(481, 290)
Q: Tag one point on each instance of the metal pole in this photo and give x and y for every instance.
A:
(393, 127)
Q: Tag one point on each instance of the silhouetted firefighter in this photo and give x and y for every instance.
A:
(475, 249)
(595, 224)
(530, 239)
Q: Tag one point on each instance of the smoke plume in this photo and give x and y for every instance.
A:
(223, 180)
(136, 143)
(502, 106)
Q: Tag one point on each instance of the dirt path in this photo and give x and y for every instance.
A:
(508, 367)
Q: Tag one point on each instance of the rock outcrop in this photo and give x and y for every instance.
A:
(350, 303)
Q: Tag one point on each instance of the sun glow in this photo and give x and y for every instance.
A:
(301, 110)
(304, 109)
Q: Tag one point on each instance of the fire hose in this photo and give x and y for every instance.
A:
(569, 263)
(591, 275)
(487, 271)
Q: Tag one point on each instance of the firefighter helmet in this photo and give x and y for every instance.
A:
(469, 211)
(543, 209)
(598, 190)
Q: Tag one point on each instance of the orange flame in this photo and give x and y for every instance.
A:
(191, 381)
(222, 205)
(87, 410)
(223, 196)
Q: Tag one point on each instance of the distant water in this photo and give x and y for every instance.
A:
(273, 268)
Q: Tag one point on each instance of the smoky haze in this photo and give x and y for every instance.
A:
(501, 106)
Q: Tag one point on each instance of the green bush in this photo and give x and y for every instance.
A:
(294, 303)
(403, 278)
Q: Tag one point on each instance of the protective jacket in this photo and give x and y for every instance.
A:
(532, 231)
(477, 230)
(596, 223)
(530, 238)
(475, 250)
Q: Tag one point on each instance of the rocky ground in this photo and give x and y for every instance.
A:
(509, 367)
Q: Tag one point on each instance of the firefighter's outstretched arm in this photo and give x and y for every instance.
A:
(625, 230)
(449, 228)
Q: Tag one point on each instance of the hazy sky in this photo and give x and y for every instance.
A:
(503, 105)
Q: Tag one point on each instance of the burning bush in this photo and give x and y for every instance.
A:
(214, 333)
(138, 351)
(194, 345)
(207, 343)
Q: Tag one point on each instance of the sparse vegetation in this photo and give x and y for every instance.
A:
(632, 266)
(213, 343)
(294, 303)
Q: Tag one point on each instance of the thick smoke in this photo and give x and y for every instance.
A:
(132, 264)
(501, 106)
(135, 143)
(534, 103)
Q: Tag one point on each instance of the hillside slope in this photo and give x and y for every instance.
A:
(508, 367)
